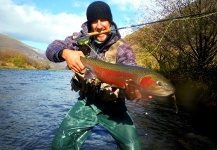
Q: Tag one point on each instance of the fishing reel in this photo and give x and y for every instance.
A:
(83, 39)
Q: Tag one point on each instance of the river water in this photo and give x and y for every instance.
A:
(34, 102)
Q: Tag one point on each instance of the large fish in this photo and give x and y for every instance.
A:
(148, 81)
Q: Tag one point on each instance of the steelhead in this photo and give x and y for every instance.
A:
(147, 80)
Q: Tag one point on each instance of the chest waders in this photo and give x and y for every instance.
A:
(83, 116)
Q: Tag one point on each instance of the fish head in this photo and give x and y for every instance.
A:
(156, 86)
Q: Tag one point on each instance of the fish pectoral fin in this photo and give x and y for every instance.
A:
(89, 75)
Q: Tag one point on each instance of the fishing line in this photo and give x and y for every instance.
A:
(195, 16)
(84, 39)
(163, 35)
(93, 51)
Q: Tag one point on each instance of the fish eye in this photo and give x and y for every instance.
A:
(159, 83)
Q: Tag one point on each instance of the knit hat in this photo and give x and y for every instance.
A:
(98, 10)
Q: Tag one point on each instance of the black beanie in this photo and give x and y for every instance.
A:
(98, 10)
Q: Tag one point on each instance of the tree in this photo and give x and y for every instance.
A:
(194, 39)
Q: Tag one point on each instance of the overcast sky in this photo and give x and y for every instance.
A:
(39, 22)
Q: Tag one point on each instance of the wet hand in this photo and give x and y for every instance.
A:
(132, 92)
(73, 61)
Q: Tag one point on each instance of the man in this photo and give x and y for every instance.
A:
(99, 103)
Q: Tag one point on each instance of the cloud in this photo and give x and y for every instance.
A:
(31, 24)
(25, 22)
(131, 5)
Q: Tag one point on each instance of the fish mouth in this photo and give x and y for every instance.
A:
(162, 92)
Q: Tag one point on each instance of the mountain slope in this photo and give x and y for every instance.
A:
(10, 43)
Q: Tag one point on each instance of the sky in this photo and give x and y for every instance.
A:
(39, 22)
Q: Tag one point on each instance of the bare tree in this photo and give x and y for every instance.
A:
(193, 39)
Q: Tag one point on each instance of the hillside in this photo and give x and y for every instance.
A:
(8, 43)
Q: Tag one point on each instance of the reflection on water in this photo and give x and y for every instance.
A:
(34, 102)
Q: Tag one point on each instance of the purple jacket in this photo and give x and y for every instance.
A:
(125, 53)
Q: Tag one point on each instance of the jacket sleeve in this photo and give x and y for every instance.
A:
(54, 49)
(126, 55)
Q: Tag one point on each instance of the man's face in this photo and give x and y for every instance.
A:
(100, 25)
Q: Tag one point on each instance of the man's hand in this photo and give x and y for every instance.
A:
(73, 59)
(131, 91)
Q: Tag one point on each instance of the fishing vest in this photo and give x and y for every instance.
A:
(110, 56)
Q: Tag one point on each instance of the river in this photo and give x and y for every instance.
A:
(34, 102)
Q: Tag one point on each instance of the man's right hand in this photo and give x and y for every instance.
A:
(72, 58)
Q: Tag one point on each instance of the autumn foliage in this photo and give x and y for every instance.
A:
(14, 59)
(183, 50)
